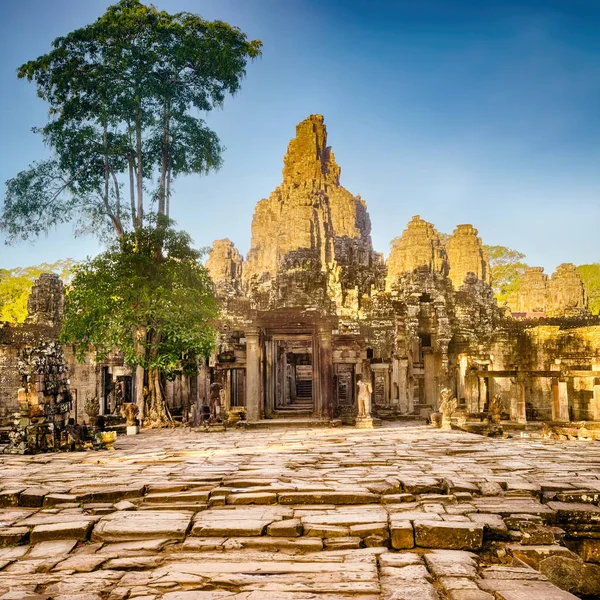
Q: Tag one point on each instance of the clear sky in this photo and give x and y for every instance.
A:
(484, 112)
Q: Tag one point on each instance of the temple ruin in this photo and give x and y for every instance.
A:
(313, 310)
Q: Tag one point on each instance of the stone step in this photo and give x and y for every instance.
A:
(292, 422)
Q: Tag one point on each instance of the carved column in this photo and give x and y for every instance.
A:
(271, 366)
(325, 407)
(518, 403)
(252, 374)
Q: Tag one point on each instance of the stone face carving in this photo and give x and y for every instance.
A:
(419, 246)
(566, 293)
(225, 266)
(533, 292)
(466, 255)
(46, 304)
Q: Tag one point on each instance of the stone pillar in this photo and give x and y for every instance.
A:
(518, 404)
(325, 374)
(596, 397)
(252, 374)
(560, 396)
(395, 384)
(403, 387)
(270, 364)
(482, 396)
(429, 380)
(227, 395)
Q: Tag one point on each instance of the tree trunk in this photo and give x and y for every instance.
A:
(158, 412)
(140, 170)
(132, 192)
(139, 337)
(164, 161)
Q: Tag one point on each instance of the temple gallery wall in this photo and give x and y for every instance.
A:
(313, 314)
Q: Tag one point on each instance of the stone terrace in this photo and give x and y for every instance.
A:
(402, 512)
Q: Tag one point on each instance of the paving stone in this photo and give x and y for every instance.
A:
(494, 525)
(575, 512)
(451, 563)
(33, 497)
(107, 493)
(58, 499)
(459, 536)
(125, 505)
(256, 498)
(51, 549)
(286, 528)
(13, 535)
(80, 564)
(533, 555)
(402, 534)
(358, 497)
(342, 543)
(130, 526)
(73, 530)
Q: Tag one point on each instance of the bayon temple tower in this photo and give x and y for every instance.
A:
(313, 309)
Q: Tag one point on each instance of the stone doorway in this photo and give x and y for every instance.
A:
(291, 380)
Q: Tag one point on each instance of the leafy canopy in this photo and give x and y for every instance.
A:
(124, 96)
(150, 279)
(506, 268)
(16, 284)
(590, 274)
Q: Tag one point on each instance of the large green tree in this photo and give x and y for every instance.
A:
(590, 275)
(150, 281)
(16, 284)
(124, 95)
(506, 268)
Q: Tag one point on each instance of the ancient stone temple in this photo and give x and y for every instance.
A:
(313, 311)
(316, 325)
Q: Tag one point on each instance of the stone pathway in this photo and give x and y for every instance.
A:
(399, 513)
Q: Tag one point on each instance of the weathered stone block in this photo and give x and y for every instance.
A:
(402, 534)
(458, 536)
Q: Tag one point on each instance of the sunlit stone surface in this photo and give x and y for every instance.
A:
(399, 512)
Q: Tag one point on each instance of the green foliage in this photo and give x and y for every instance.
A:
(124, 94)
(506, 268)
(590, 274)
(150, 281)
(16, 284)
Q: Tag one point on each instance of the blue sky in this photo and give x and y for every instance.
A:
(478, 112)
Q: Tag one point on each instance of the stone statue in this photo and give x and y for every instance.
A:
(447, 406)
(496, 408)
(215, 400)
(365, 390)
(130, 410)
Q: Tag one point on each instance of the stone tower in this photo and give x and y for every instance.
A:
(225, 266)
(419, 246)
(566, 293)
(533, 292)
(309, 232)
(466, 255)
(46, 304)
